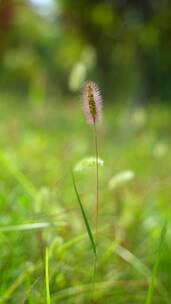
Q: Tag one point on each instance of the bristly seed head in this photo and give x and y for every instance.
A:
(92, 102)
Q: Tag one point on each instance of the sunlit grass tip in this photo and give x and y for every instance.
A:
(87, 163)
(92, 102)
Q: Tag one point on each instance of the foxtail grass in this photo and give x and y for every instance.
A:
(92, 105)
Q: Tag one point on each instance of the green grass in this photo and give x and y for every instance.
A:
(39, 209)
(47, 276)
(156, 264)
(89, 232)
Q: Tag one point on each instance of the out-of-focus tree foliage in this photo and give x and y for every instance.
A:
(124, 45)
(24, 39)
(131, 40)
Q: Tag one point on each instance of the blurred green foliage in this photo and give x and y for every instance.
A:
(124, 45)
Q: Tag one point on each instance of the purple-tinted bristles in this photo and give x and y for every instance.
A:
(92, 102)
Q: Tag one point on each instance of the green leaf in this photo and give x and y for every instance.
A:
(84, 216)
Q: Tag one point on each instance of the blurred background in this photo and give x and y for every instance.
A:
(51, 46)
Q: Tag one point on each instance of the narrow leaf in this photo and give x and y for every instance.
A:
(24, 227)
(84, 216)
(47, 276)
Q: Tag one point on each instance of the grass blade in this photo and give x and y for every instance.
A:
(47, 276)
(156, 264)
(84, 216)
(22, 227)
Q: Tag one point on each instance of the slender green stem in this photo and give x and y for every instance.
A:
(97, 180)
(97, 209)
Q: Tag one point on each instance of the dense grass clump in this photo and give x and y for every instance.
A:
(46, 255)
